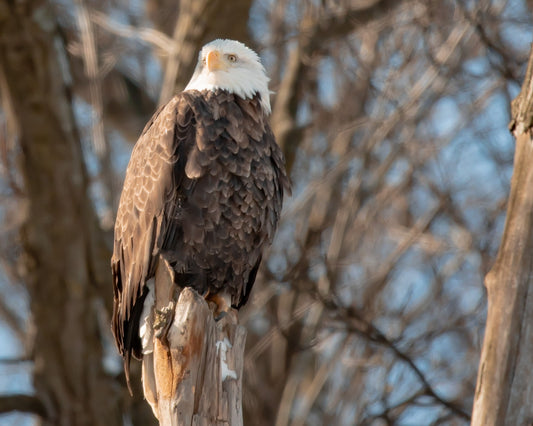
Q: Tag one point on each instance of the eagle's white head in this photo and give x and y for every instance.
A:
(231, 66)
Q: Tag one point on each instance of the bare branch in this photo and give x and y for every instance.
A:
(355, 323)
(149, 35)
(23, 403)
(12, 319)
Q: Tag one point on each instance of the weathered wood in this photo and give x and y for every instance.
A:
(194, 376)
(504, 391)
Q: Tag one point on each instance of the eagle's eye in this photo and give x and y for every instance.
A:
(204, 60)
(231, 57)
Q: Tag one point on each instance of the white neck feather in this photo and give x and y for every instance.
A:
(240, 82)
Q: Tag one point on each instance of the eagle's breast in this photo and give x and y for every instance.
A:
(229, 202)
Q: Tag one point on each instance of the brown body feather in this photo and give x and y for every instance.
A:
(204, 190)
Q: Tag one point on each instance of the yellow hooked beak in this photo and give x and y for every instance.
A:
(214, 62)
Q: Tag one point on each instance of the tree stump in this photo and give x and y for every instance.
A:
(193, 377)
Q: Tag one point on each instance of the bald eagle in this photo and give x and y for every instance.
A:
(203, 192)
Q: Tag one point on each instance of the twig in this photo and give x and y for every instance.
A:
(350, 317)
(23, 403)
(148, 35)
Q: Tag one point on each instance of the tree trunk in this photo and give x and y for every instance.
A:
(60, 236)
(504, 391)
(194, 375)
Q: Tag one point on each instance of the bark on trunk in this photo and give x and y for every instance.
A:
(61, 239)
(504, 391)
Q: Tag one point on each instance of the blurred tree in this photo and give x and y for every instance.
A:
(63, 256)
(392, 115)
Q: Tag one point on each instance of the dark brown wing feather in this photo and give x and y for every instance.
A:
(150, 177)
(203, 189)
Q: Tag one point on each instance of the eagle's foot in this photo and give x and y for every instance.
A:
(163, 320)
(220, 315)
(221, 305)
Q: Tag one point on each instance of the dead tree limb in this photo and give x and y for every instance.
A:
(194, 375)
(22, 403)
(504, 391)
